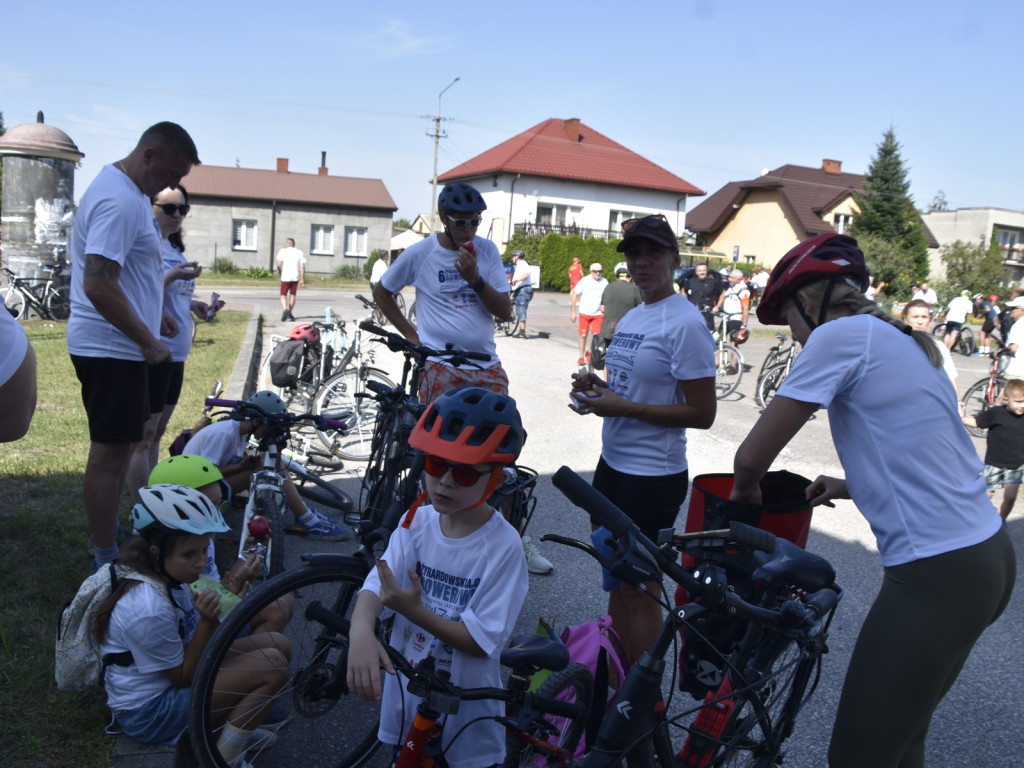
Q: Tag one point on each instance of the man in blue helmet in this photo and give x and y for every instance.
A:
(460, 288)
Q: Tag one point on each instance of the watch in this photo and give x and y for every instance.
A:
(478, 285)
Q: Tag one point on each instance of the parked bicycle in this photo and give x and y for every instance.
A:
(965, 343)
(987, 392)
(49, 299)
(377, 315)
(775, 368)
(769, 674)
(728, 359)
(510, 326)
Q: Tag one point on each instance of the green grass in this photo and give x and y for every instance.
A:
(43, 552)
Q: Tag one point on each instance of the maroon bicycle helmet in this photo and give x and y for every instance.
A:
(825, 256)
(739, 336)
(471, 425)
(306, 332)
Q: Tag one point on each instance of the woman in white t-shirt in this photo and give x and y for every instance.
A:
(661, 380)
(941, 541)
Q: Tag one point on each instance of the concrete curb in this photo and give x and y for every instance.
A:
(129, 753)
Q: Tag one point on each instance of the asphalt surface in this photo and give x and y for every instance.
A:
(978, 724)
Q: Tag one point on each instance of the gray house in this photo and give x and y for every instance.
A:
(245, 215)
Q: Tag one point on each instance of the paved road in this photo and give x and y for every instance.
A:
(979, 722)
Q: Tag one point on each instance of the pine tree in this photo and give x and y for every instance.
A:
(887, 211)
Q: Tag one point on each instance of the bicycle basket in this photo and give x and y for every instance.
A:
(515, 498)
(785, 512)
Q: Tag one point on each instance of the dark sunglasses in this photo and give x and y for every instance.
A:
(630, 225)
(475, 222)
(462, 474)
(170, 208)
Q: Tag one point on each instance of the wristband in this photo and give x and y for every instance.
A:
(478, 285)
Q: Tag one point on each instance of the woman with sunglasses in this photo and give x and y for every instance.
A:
(948, 562)
(453, 576)
(170, 206)
(661, 380)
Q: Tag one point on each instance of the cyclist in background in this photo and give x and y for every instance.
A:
(704, 291)
(941, 542)
(453, 576)
(986, 309)
(735, 302)
(956, 315)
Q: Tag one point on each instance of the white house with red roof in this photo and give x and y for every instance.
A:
(563, 176)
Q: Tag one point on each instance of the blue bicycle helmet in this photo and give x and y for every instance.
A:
(268, 402)
(471, 425)
(177, 507)
(460, 198)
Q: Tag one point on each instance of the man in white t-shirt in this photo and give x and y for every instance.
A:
(117, 281)
(926, 294)
(291, 263)
(1015, 339)
(380, 266)
(586, 298)
(735, 302)
(956, 316)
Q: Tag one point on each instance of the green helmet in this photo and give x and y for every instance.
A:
(191, 471)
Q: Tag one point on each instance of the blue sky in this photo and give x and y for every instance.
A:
(712, 90)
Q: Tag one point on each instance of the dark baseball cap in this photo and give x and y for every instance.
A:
(653, 228)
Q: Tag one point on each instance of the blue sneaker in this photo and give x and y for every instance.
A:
(326, 530)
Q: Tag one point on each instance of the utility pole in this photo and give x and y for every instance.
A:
(437, 135)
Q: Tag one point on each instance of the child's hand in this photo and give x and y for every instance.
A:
(242, 573)
(392, 596)
(365, 658)
(208, 605)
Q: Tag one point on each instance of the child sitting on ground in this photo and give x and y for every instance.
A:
(156, 640)
(1004, 444)
(453, 575)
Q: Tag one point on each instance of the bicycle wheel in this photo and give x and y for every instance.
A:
(400, 301)
(512, 324)
(965, 344)
(320, 492)
(411, 315)
(728, 370)
(330, 727)
(939, 331)
(574, 683)
(774, 357)
(270, 504)
(15, 302)
(980, 397)
(337, 399)
(769, 384)
(58, 303)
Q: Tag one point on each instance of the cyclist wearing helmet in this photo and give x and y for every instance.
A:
(989, 312)
(522, 288)
(453, 575)
(460, 288)
(941, 541)
(224, 443)
(156, 638)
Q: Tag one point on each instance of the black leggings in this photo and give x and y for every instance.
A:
(914, 642)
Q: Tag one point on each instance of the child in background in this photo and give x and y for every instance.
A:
(158, 644)
(1004, 444)
(464, 546)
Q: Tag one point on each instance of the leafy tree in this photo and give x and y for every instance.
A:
(401, 224)
(938, 203)
(973, 267)
(887, 212)
(889, 264)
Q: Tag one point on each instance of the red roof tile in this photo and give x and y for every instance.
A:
(568, 149)
(255, 184)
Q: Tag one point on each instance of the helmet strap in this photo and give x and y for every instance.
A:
(492, 485)
(803, 311)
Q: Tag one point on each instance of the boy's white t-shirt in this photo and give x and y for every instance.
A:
(655, 347)
(116, 221)
(881, 391)
(156, 633)
(221, 443)
(480, 580)
(448, 311)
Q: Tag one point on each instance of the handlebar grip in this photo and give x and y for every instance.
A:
(583, 495)
(367, 325)
(219, 403)
(749, 536)
(334, 423)
(823, 601)
(569, 709)
(482, 356)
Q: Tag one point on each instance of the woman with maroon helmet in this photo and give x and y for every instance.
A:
(941, 541)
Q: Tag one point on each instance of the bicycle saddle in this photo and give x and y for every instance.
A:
(535, 651)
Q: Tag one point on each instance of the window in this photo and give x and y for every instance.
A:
(322, 239)
(355, 241)
(615, 219)
(841, 223)
(243, 235)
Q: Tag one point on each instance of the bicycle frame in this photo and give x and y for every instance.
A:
(36, 295)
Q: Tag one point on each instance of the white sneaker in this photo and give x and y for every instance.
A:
(535, 561)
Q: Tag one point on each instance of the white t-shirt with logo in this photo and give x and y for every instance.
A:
(115, 221)
(590, 292)
(290, 258)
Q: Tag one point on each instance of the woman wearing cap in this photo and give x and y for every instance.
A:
(941, 541)
(661, 380)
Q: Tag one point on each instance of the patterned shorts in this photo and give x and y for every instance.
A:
(438, 378)
(997, 477)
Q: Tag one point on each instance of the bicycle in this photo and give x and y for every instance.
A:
(987, 392)
(748, 714)
(50, 299)
(377, 315)
(510, 326)
(964, 344)
(775, 368)
(266, 487)
(728, 361)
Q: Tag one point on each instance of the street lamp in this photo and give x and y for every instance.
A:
(437, 139)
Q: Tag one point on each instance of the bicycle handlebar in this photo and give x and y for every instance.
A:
(398, 343)
(320, 422)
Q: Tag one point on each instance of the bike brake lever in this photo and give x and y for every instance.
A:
(577, 544)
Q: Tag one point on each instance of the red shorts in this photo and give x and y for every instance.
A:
(290, 287)
(591, 322)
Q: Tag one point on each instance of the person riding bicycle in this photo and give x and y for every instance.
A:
(460, 288)
(224, 443)
(988, 311)
(453, 576)
(735, 302)
(941, 542)
(156, 639)
(956, 316)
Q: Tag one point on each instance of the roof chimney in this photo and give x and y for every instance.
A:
(282, 165)
(572, 129)
(323, 164)
(832, 166)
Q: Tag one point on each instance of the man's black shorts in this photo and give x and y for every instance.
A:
(165, 381)
(115, 394)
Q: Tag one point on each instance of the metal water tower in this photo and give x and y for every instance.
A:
(38, 207)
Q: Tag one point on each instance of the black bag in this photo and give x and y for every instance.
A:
(598, 345)
(286, 361)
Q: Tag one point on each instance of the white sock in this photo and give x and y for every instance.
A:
(307, 519)
(232, 742)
